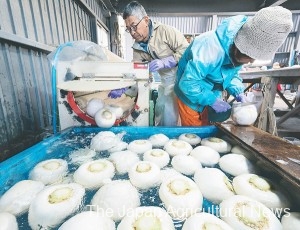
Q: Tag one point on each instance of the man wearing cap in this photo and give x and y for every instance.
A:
(211, 62)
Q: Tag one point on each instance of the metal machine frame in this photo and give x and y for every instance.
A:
(98, 76)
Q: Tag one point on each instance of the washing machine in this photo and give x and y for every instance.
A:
(78, 82)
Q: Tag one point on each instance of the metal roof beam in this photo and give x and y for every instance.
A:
(109, 6)
(267, 3)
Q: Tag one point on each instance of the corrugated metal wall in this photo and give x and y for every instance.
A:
(187, 25)
(29, 31)
(286, 51)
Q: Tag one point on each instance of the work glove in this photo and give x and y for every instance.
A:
(241, 98)
(220, 106)
(157, 64)
(115, 93)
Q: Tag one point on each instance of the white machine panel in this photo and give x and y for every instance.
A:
(95, 79)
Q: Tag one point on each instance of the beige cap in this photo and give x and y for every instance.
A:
(262, 35)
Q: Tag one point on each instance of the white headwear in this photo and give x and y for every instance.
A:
(261, 36)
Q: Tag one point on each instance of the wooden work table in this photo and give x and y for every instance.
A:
(270, 79)
(275, 153)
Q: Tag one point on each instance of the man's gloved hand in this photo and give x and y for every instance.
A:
(115, 93)
(220, 106)
(157, 64)
(241, 98)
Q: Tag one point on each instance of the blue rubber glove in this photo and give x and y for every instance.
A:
(157, 64)
(241, 98)
(220, 106)
(115, 93)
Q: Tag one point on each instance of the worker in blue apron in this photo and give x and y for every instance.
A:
(212, 61)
